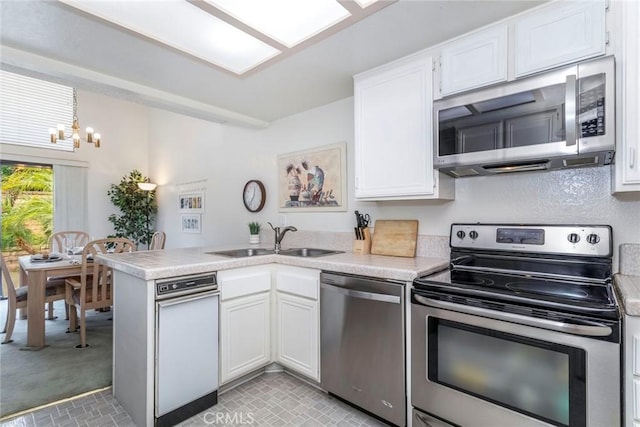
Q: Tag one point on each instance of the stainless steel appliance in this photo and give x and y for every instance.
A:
(186, 353)
(522, 330)
(363, 346)
(559, 119)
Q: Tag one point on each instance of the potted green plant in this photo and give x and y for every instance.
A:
(254, 232)
(137, 208)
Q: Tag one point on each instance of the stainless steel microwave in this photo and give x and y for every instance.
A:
(559, 119)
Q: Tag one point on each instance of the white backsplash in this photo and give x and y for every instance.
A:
(427, 246)
(630, 259)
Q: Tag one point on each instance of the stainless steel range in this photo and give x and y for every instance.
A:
(522, 330)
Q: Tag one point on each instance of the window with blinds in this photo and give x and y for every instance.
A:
(29, 107)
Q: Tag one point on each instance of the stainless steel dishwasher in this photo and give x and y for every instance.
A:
(363, 345)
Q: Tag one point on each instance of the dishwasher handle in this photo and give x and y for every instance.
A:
(187, 298)
(362, 294)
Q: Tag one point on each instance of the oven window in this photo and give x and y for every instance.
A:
(539, 379)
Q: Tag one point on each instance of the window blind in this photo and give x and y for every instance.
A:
(70, 203)
(29, 107)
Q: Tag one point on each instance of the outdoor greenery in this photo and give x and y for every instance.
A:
(136, 207)
(27, 206)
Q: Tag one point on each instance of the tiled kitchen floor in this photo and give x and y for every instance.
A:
(274, 399)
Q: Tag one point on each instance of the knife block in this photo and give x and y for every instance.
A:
(363, 247)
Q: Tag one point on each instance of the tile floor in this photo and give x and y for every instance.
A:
(274, 399)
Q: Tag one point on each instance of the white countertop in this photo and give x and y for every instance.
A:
(151, 265)
(628, 293)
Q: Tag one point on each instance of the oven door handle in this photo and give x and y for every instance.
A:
(595, 330)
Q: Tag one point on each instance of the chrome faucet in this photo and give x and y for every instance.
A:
(280, 235)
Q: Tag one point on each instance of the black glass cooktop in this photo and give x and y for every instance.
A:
(578, 267)
(571, 295)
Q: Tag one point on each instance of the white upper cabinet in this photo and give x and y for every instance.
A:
(627, 165)
(559, 34)
(393, 132)
(473, 61)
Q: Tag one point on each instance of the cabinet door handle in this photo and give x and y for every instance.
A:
(632, 157)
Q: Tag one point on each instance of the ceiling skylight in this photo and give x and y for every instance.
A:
(365, 3)
(237, 36)
(182, 26)
(287, 21)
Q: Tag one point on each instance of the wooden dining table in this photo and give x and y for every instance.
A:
(34, 275)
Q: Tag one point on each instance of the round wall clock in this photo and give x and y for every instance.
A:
(254, 195)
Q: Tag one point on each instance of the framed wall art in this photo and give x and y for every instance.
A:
(313, 180)
(191, 202)
(191, 223)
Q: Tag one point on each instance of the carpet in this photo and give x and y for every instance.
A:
(32, 378)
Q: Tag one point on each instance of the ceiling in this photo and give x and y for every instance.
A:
(52, 40)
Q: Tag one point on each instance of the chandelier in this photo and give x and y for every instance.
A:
(58, 133)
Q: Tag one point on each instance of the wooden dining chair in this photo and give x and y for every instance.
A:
(157, 240)
(58, 243)
(17, 299)
(92, 290)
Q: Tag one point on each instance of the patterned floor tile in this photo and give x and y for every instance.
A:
(270, 400)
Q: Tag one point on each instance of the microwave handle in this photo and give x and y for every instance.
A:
(570, 110)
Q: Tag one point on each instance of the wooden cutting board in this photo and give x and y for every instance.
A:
(395, 237)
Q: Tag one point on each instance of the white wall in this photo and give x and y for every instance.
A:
(175, 150)
(186, 149)
(123, 126)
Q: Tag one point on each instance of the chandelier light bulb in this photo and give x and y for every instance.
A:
(58, 133)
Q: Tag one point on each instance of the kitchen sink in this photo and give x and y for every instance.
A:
(308, 252)
(241, 253)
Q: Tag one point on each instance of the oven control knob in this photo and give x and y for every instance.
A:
(573, 238)
(461, 234)
(593, 238)
(473, 234)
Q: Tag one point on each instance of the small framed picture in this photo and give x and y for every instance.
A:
(191, 223)
(191, 202)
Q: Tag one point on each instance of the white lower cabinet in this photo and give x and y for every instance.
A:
(298, 320)
(256, 311)
(245, 321)
(632, 371)
(297, 323)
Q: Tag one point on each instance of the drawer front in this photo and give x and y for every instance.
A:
(303, 282)
(244, 281)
